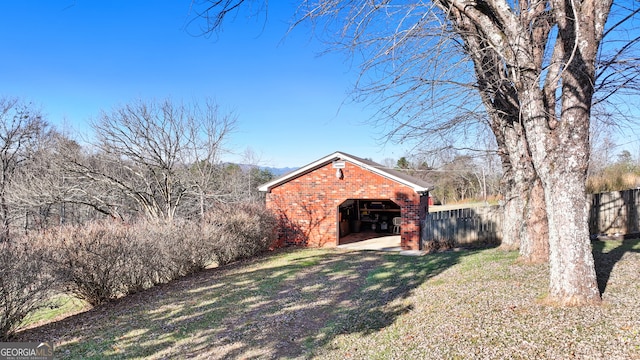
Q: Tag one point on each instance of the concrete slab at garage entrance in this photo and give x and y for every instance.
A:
(383, 243)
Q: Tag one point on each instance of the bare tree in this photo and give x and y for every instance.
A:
(48, 194)
(208, 130)
(425, 92)
(36, 191)
(523, 54)
(21, 126)
(152, 154)
(534, 65)
(526, 222)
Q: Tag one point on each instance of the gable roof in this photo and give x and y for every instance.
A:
(418, 185)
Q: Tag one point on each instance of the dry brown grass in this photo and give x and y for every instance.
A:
(330, 304)
(613, 179)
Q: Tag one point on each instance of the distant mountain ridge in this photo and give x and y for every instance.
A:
(276, 171)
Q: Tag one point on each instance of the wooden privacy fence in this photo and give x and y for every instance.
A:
(479, 225)
(615, 213)
(612, 213)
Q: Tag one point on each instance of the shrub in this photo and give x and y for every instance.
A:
(239, 231)
(103, 260)
(25, 282)
(98, 261)
(178, 248)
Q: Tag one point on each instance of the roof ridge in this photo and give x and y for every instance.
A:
(418, 185)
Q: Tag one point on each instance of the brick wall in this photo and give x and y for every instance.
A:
(308, 205)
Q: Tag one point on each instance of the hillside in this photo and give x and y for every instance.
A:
(331, 304)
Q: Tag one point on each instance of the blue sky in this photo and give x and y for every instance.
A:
(75, 58)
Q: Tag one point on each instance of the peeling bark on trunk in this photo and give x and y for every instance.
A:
(512, 207)
(536, 248)
(560, 147)
(572, 273)
(513, 210)
(525, 210)
(532, 223)
(515, 235)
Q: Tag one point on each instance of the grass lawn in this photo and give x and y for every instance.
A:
(58, 307)
(332, 304)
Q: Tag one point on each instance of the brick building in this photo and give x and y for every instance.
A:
(327, 199)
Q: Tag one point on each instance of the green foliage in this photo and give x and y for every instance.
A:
(403, 163)
(261, 176)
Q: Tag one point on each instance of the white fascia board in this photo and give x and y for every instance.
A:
(383, 173)
(329, 158)
(294, 174)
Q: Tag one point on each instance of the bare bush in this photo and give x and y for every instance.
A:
(178, 248)
(239, 231)
(96, 260)
(191, 250)
(103, 260)
(25, 282)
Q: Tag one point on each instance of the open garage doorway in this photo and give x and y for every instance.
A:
(361, 220)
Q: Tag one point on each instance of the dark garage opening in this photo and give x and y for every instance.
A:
(364, 219)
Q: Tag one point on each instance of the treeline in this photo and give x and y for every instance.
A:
(145, 200)
(458, 177)
(156, 160)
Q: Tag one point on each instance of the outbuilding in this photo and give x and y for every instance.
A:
(323, 202)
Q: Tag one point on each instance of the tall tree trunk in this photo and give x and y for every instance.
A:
(560, 156)
(559, 144)
(525, 218)
(572, 270)
(525, 207)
